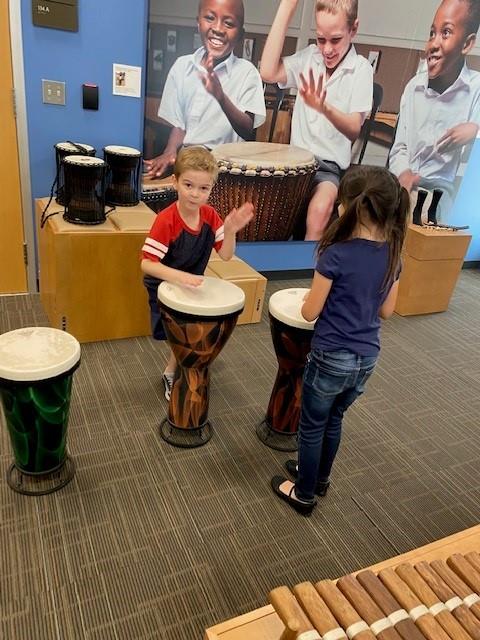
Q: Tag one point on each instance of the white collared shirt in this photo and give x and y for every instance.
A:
(425, 116)
(349, 88)
(187, 104)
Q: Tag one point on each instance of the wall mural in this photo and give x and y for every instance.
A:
(385, 87)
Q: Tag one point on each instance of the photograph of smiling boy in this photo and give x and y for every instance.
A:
(440, 106)
(335, 95)
(211, 97)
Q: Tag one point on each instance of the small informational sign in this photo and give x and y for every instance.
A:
(55, 14)
(127, 80)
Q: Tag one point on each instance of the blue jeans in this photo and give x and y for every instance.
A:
(332, 381)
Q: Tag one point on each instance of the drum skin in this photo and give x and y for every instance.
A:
(292, 346)
(196, 341)
(37, 419)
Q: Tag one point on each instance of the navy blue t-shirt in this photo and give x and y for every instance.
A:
(349, 320)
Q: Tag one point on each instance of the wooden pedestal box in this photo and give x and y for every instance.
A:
(250, 281)
(90, 278)
(431, 263)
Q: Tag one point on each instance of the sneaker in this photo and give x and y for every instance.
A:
(167, 379)
(322, 487)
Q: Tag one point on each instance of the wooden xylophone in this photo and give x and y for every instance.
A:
(439, 600)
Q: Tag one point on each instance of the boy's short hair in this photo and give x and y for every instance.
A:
(239, 4)
(195, 159)
(350, 7)
(473, 16)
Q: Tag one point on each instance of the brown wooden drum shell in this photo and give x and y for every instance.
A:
(277, 200)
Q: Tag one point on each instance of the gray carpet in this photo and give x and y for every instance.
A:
(149, 541)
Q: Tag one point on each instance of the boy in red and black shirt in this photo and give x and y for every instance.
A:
(181, 239)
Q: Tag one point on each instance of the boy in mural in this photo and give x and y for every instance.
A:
(439, 109)
(335, 95)
(211, 97)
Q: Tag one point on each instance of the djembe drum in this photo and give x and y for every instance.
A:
(84, 190)
(276, 178)
(122, 184)
(291, 336)
(36, 367)
(198, 322)
(62, 150)
(159, 193)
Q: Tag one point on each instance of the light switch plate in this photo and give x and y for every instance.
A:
(53, 92)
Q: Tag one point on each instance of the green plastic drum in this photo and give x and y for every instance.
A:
(36, 367)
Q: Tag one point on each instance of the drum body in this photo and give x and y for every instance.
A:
(84, 190)
(198, 323)
(36, 368)
(291, 337)
(275, 177)
(122, 175)
(158, 194)
(62, 150)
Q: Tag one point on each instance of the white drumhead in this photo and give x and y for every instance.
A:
(122, 151)
(263, 154)
(214, 297)
(71, 148)
(285, 306)
(37, 353)
(84, 161)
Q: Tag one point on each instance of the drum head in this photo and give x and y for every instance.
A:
(263, 154)
(285, 306)
(117, 150)
(37, 353)
(84, 161)
(68, 147)
(213, 298)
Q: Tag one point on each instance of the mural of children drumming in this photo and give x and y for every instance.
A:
(211, 97)
(439, 109)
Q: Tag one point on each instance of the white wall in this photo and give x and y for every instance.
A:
(382, 22)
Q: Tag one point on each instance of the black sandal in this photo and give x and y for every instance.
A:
(305, 508)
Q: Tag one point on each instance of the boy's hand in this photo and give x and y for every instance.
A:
(210, 80)
(313, 95)
(409, 180)
(188, 279)
(239, 218)
(157, 166)
(457, 136)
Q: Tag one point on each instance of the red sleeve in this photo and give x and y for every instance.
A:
(216, 223)
(158, 240)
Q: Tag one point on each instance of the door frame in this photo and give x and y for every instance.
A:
(15, 16)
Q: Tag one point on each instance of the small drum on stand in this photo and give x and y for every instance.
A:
(275, 177)
(291, 336)
(62, 150)
(84, 190)
(123, 175)
(198, 322)
(36, 368)
(158, 194)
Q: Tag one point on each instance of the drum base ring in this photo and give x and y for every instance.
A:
(276, 439)
(185, 438)
(40, 484)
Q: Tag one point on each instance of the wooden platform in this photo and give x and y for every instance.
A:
(264, 623)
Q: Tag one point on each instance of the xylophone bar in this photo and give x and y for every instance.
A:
(474, 558)
(318, 612)
(368, 609)
(459, 609)
(409, 601)
(390, 606)
(457, 584)
(298, 626)
(355, 627)
(465, 570)
(438, 609)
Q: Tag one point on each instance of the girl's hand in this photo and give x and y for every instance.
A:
(210, 80)
(188, 279)
(237, 219)
(313, 95)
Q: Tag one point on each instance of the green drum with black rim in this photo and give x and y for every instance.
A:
(36, 367)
